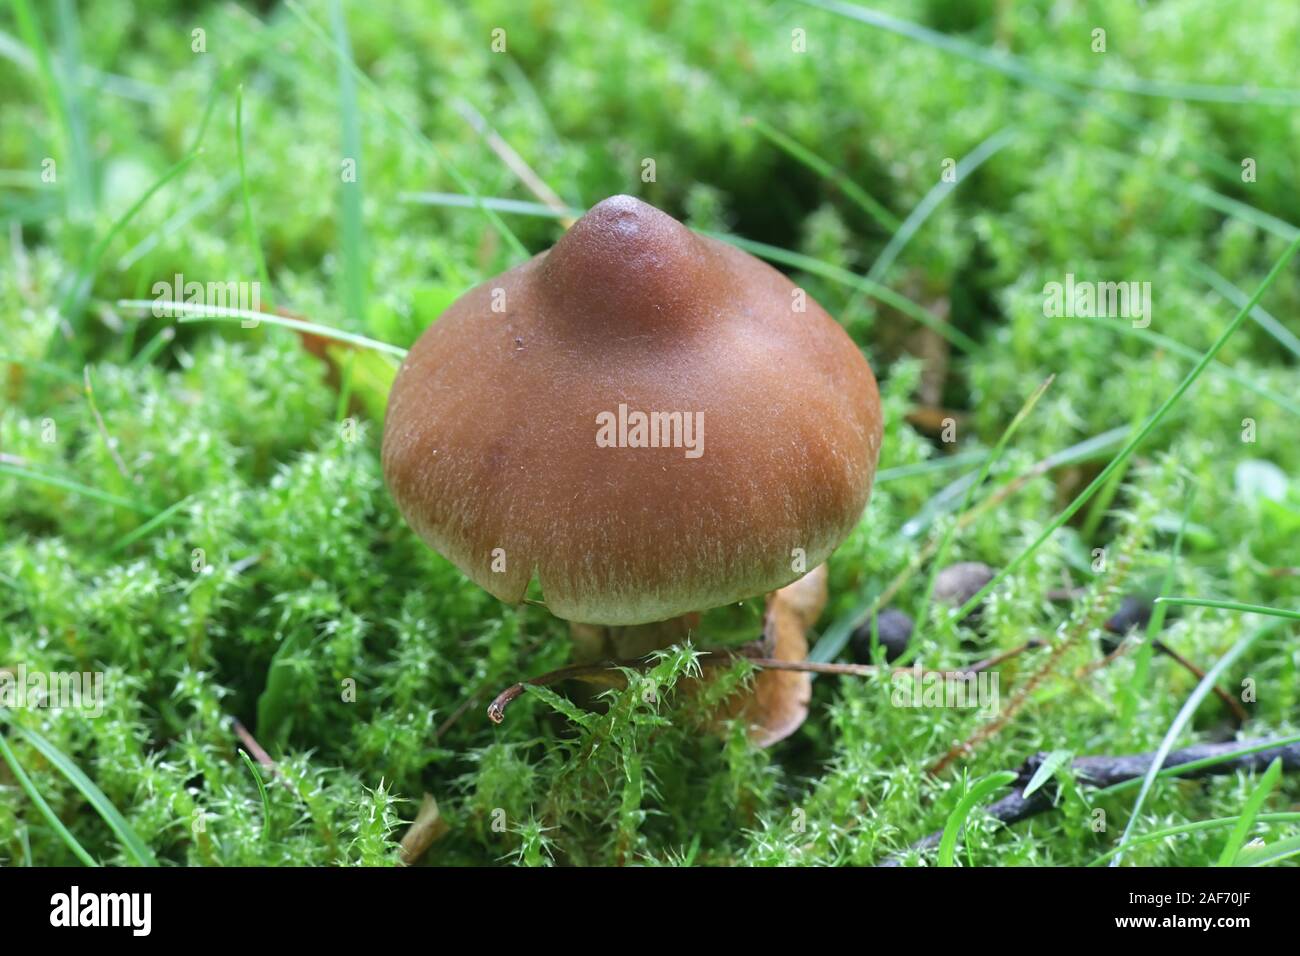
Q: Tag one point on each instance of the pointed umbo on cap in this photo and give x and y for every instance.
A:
(649, 421)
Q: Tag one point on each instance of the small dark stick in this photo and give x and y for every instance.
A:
(1135, 614)
(252, 746)
(1106, 771)
(608, 671)
(258, 753)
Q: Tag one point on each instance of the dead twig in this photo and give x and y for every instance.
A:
(514, 162)
(1229, 701)
(258, 753)
(601, 670)
(458, 713)
(1086, 622)
(1107, 771)
(1124, 647)
(252, 746)
(996, 659)
(109, 443)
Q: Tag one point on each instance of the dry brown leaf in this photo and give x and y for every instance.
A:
(774, 706)
(777, 703)
(427, 827)
(371, 373)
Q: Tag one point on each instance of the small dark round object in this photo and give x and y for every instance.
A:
(1134, 611)
(893, 628)
(958, 583)
(1134, 614)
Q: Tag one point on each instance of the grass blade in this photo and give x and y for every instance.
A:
(70, 70)
(865, 201)
(68, 484)
(261, 788)
(351, 192)
(1180, 721)
(412, 130)
(249, 223)
(156, 521)
(1193, 765)
(76, 295)
(48, 367)
(860, 285)
(1207, 197)
(176, 223)
(1053, 762)
(1020, 69)
(150, 350)
(786, 257)
(521, 207)
(131, 842)
(1217, 823)
(510, 156)
(1262, 317)
(835, 637)
(1158, 416)
(940, 556)
(56, 99)
(930, 466)
(928, 204)
(199, 313)
(1237, 838)
(1232, 606)
(1174, 347)
(1135, 687)
(1273, 853)
(957, 819)
(50, 816)
(940, 191)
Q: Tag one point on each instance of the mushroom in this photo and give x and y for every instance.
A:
(649, 422)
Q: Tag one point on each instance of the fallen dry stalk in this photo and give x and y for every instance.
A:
(253, 747)
(1087, 622)
(513, 161)
(1229, 701)
(600, 670)
(1107, 771)
(258, 753)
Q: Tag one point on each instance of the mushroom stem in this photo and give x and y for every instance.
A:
(596, 642)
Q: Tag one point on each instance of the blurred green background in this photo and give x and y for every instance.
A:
(820, 131)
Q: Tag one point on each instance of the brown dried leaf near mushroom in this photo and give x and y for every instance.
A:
(753, 460)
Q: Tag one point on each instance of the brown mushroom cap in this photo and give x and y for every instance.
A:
(490, 442)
